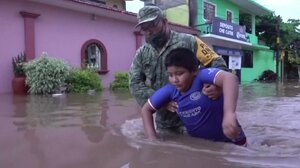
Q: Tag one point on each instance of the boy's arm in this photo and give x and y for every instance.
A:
(229, 83)
(147, 116)
(159, 99)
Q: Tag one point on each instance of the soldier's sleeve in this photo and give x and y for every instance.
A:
(137, 81)
(208, 57)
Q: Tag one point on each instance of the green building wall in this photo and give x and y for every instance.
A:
(179, 14)
(221, 8)
(262, 55)
(262, 60)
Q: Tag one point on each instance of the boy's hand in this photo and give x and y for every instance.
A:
(230, 126)
(212, 91)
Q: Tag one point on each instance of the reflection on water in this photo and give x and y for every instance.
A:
(87, 112)
(105, 130)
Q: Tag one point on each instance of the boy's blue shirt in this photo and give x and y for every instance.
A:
(201, 115)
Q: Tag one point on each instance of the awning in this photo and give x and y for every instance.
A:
(213, 39)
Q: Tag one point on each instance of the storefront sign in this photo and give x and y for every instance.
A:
(228, 51)
(228, 29)
(235, 56)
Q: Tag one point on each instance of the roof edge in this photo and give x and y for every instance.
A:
(261, 6)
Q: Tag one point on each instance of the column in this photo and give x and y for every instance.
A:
(29, 34)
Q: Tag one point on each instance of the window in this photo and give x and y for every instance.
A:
(94, 55)
(247, 59)
(226, 59)
(229, 16)
(209, 11)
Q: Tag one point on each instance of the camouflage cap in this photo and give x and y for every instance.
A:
(148, 13)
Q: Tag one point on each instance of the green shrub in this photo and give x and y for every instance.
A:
(46, 75)
(120, 82)
(83, 80)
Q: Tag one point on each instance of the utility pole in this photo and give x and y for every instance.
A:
(277, 46)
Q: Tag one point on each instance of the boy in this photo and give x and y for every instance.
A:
(203, 117)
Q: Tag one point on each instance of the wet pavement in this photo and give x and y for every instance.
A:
(105, 130)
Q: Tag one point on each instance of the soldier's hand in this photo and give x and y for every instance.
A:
(212, 91)
(172, 106)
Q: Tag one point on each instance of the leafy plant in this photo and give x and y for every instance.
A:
(46, 75)
(268, 76)
(18, 64)
(83, 80)
(120, 82)
(293, 52)
(269, 28)
(294, 60)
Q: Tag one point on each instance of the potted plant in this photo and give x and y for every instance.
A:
(18, 82)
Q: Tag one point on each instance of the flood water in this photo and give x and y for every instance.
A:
(105, 131)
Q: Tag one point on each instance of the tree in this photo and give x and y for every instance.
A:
(269, 27)
(290, 33)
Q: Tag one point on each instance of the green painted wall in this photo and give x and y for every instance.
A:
(262, 56)
(179, 14)
(253, 38)
(262, 60)
(221, 8)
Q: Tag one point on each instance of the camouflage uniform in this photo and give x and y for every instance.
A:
(148, 73)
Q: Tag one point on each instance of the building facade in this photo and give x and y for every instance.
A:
(218, 22)
(84, 33)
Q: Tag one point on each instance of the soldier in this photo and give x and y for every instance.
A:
(148, 73)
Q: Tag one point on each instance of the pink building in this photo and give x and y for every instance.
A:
(73, 30)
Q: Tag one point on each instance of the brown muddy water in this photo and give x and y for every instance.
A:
(105, 131)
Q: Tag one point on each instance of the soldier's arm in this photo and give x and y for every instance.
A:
(137, 81)
(208, 57)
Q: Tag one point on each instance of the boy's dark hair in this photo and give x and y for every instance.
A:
(182, 57)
